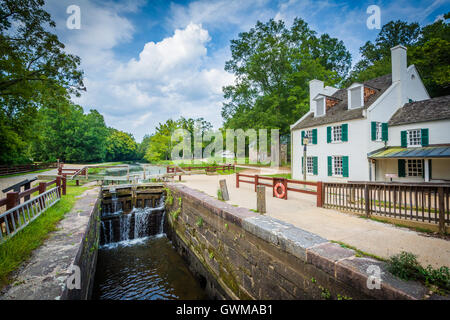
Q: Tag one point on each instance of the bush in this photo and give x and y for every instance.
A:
(405, 266)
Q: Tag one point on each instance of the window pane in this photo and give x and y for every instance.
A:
(414, 168)
(414, 137)
(337, 166)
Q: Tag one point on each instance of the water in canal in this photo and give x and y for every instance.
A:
(140, 266)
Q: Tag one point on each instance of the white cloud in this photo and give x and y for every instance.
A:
(179, 53)
(170, 78)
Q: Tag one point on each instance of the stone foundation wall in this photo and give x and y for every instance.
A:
(240, 254)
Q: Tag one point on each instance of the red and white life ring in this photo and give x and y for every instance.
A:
(279, 193)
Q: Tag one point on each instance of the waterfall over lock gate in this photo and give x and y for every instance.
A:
(117, 226)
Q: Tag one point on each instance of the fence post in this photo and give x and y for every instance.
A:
(26, 187)
(237, 179)
(319, 191)
(12, 200)
(42, 187)
(441, 210)
(224, 190)
(58, 184)
(256, 181)
(64, 185)
(261, 199)
(366, 200)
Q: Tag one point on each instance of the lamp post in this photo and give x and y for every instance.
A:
(305, 143)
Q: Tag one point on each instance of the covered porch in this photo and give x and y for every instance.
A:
(423, 164)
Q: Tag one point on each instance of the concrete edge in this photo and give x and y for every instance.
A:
(340, 263)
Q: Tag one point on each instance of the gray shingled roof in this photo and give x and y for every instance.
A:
(420, 111)
(340, 111)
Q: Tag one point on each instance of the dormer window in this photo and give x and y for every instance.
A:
(355, 96)
(320, 106)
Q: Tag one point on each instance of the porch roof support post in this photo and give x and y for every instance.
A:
(427, 170)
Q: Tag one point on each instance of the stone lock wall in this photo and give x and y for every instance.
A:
(240, 254)
(86, 258)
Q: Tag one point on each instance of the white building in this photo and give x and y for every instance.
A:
(384, 129)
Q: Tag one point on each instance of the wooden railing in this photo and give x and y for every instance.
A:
(223, 168)
(426, 202)
(13, 198)
(18, 215)
(5, 170)
(288, 184)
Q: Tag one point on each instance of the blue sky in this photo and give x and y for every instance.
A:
(147, 61)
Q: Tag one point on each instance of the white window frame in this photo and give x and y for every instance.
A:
(414, 168)
(359, 103)
(336, 161)
(320, 105)
(308, 134)
(335, 135)
(310, 165)
(379, 131)
(414, 137)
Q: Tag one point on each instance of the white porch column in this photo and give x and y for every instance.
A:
(427, 170)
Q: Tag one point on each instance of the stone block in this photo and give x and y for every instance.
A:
(324, 256)
(355, 272)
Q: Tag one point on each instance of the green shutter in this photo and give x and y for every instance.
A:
(424, 133)
(404, 143)
(345, 132)
(384, 131)
(315, 166)
(373, 126)
(303, 136)
(330, 166)
(345, 166)
(328, 134)
(401, 168)
(314, 137)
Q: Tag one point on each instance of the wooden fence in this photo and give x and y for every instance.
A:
(4, 170)
(223, 168)
(288, 184)
(425, 202)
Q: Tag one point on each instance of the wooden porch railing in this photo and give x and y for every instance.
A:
(426, 202)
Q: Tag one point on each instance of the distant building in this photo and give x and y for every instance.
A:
(384, 129)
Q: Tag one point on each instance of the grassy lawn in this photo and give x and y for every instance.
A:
(279, 175)
(16, 250)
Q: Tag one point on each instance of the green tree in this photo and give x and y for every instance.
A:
(160, 147)
(65, 132)
(428, 50)
(273, 65)
(30, 54)
(120, 146)
(33, 67)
